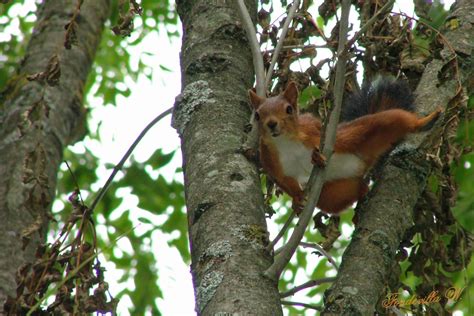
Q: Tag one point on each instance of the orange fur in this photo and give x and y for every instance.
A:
(285, 136)
(340, 194)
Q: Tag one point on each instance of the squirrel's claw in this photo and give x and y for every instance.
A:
(317, 158)
(298, 205)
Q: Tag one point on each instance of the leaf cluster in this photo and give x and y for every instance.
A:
(68, 268)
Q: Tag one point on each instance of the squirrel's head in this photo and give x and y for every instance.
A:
(277, 115)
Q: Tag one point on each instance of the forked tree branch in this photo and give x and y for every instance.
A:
(321, 250)
(316, 179)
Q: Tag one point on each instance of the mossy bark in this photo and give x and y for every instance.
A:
(37, 121)
(227, 228)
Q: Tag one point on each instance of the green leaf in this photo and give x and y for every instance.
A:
(145, 220)
(308, 95)
(165, 68)
(158, 159)
(320, 22)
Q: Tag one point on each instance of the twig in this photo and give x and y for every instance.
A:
(321, 250)
(306, 285)
(281, 232)
(74, 179)
(318, 308)
(298, 47)
(288, 20)
(119, 166)
(368, 24)
(315, 183)
(255, 48)
(71, 274)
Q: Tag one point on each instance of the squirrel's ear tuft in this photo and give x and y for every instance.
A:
(255, 100)
(291, 93)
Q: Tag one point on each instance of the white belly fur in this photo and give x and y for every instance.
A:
(295, 159)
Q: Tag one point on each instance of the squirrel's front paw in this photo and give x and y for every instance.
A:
(298, 205)
(317, 158)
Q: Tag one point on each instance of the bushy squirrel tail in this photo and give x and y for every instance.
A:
(383, 94)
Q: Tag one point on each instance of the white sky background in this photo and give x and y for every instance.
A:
(121, 124)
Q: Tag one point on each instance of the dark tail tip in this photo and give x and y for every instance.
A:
(382, 94)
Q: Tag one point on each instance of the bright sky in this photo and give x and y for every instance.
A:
(147, 100)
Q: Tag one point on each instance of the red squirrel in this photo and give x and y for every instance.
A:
(373, 121)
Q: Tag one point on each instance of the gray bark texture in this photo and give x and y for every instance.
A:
(37, 121)
(388, 212)
(227, 228)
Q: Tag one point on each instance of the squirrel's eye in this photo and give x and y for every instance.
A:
(257, 116)
(289, 109)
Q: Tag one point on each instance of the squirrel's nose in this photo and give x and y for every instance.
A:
(272, 124)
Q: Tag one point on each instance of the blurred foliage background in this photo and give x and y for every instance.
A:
(161, 200)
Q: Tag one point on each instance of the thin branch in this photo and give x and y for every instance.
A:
(119, 166)
(316, 179)
(318, 308)
(306, 285)
(255, 48)
(288, 20)
(74, 179)
(371, 21)
(288, 47)
(281, 232)
(321, 250)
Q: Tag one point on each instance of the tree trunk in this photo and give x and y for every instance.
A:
(37, 121)
(226, 219)
(388, 213)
